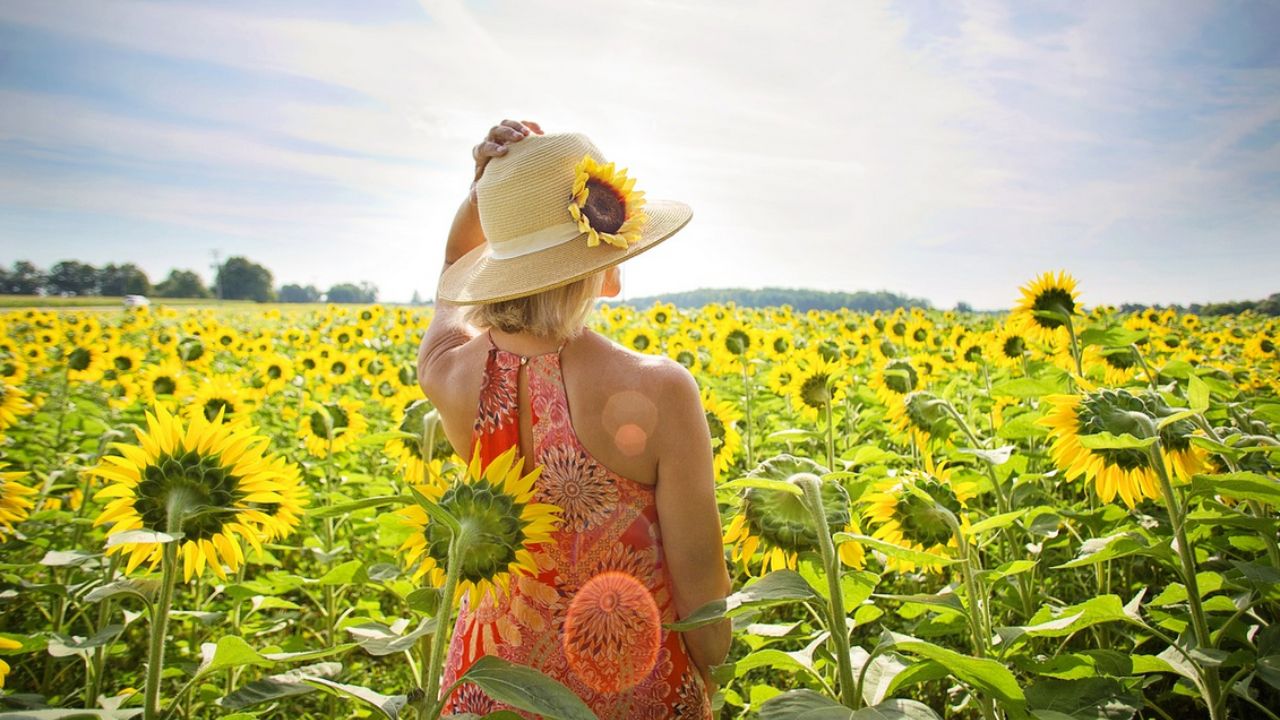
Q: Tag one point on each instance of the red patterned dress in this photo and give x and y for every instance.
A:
(609, 523)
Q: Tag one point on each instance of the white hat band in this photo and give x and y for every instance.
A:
(535, 241)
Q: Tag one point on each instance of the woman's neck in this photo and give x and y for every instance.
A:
(524, 343)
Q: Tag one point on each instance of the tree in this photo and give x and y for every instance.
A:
(299, 294)
(417, 298)
(183, 284)
(349, 293)
(73, 277)
(964, 307)
(241, 279)
(24, 279)
(127, 279)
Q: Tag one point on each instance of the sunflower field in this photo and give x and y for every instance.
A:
(1056, 512)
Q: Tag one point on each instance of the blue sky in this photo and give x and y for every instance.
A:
(949, 150)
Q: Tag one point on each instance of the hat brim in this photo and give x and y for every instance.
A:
(478, 277)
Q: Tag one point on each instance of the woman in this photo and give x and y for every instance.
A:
(621, 437)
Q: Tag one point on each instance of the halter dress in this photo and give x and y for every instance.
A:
(609, 523)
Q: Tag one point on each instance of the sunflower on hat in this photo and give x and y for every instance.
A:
(605, 205)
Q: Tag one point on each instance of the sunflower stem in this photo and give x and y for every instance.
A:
(979, 628)
(1001, 500)
(440, 637)
(1075, 346)
(746, 387)
(1186, 554)
(1151, 377)
(160, 611)
(831, 447)
(812, 487)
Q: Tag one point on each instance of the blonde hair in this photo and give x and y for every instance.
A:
(558, 313)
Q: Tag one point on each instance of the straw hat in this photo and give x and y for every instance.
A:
(553, 211)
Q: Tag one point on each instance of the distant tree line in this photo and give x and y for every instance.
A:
(237, 279)
(1270, 306)
(800, 299)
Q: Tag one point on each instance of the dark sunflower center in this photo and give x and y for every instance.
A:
(123, 363)
(79, 359)
(191, 349)
(814, 390)
(921, 521)
(375, 367)
(338, 368)
(407, 376)
(336, 414)
(781, 345)
(496, 517)
(973, 353)
(640, 341)
(274, 372)
(386, 389)
(898, 328)
(1121, 360)
(1267, 346)
(163, 385)
(604, 207)
(737, 341)
(900, 377)
(225, 340)
(717, 430)
(920, 335)
(888, 348)
(685, 358)
(782, 519)
(213, 405)
(308, 364)
(660, 318)
(199, 482)
(829, 350)
(1057, 300)
(1013, 347)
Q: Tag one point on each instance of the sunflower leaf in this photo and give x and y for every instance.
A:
(527, 689)
(1108, 441)
(987, 676)
(764, 484)
(436, 512)
(779, 586)
(372, 502)
(1238, 486)
(916, 557)
(131, 537)
(389, 705)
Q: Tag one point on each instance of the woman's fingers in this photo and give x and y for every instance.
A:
(515, 125)
(533, 126)
(505, 134)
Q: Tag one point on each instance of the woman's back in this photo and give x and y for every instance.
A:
(609, 526)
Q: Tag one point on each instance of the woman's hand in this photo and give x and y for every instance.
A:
(496, 142)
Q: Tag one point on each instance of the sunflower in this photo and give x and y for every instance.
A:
(497, 505)
(342, 415)
(6, 644)
(13, 404)
(219, 393)
(919, 333)
(779, 523)
(407, 452)
(894, 379)
(898, 507)
(1007, 346)
(641, 339)
(284, 515)
(605, 205)
(209, 473)
(15, 503)
(85, 361)
(14, 369)
(165, 381)
(685, 352)
(1128, 472)
(919, 416)
(722, 420)
(816, 384)
(273, 372)
(122, 361)
(1047, 294)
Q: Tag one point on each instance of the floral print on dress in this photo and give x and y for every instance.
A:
(610, 525)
